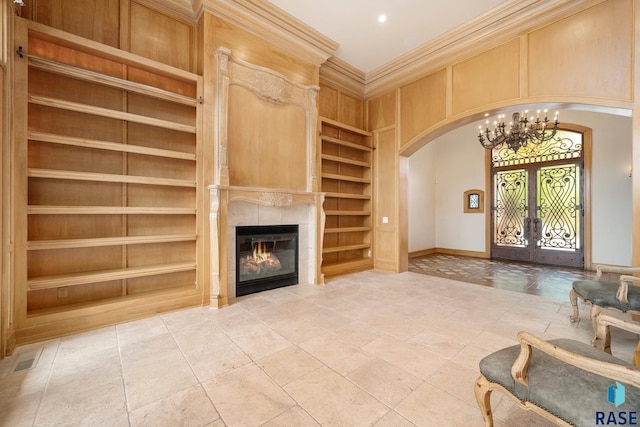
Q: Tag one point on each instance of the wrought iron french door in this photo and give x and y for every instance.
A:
(537, 214)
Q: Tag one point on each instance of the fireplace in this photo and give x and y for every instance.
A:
(266, 257)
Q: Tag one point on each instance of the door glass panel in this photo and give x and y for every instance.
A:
(558, 208)
(510, 192)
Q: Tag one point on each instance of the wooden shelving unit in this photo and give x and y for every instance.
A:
(108, 159)
(346, 182)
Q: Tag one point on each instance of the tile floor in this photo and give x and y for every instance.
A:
(367, 349)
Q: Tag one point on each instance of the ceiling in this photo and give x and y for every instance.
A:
(366, 44)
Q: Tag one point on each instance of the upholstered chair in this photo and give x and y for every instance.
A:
(622, 295)
(568, 382)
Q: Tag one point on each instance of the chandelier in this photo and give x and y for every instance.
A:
(520, 132)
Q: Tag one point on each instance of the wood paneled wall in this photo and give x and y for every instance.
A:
(131, 25)
(584, 57)
(340, 106)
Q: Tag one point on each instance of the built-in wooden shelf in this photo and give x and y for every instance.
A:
(107, 210)
(346, 178)
(346, 156)
(108, 113)
(107, 145)
(107, 241)
(107, 177)
(348, 196)
(346, 230)
(107, 160)
(345, 248)
(345, 160)
(75, 279)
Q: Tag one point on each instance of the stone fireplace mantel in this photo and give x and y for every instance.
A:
(239, 206)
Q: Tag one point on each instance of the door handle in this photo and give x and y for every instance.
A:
(527, 228)
(537, 228)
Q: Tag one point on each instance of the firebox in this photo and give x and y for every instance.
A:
(266, 257)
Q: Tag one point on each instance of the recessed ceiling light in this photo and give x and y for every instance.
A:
(382, 18)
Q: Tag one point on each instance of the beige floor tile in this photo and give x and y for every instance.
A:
(289, 364)
(456, 380)
(298, 331)
(156, 377)
(19, 410)
(336, 353)
(410, 357)
(295, 416)
(260, 341)
(393, 419)
(470, 357)
(437, 343)
(334, 401)
(384, 381)
(210, 352)
(247, 397)
(83, 407)
(430, 406)
(190, 407)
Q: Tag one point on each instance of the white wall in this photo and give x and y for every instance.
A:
(422, 199)
(444, 169)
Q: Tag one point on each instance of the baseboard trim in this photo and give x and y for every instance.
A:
(445, 251)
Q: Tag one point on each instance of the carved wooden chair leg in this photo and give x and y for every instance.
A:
(483, 397)
(602, 339)
(573, 297)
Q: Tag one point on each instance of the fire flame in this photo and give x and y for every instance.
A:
(260, 252)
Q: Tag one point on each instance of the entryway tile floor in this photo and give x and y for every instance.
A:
(366, 349)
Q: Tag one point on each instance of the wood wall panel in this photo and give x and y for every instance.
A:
(422, 105)
(587, 54)
(386, 199)
(328, 102)
(252, 49)
(382, 111)
(267, 143)
(160, 37)
(351, 111)
(97, 20)
(487, 78)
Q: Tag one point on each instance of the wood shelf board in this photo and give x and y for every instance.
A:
(346, 230)
(346, 160)
(346, 178)
(108, 241)
(109, 113)
(75, 279)
(107, 210)
(107, 177)
(106, 80)
(348, 213)
(348, 196)
(111, 146)
(344, 143)
(339, 125)
(345, 248)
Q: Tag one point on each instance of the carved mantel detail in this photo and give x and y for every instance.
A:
(270, 86)
(276, 199)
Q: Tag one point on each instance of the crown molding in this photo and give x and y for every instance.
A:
(268, 22)
(344, 76)
(183, 8)
(512, 19)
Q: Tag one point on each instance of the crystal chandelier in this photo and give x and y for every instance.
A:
(520, 132)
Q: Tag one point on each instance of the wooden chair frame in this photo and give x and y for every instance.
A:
(483, 387)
